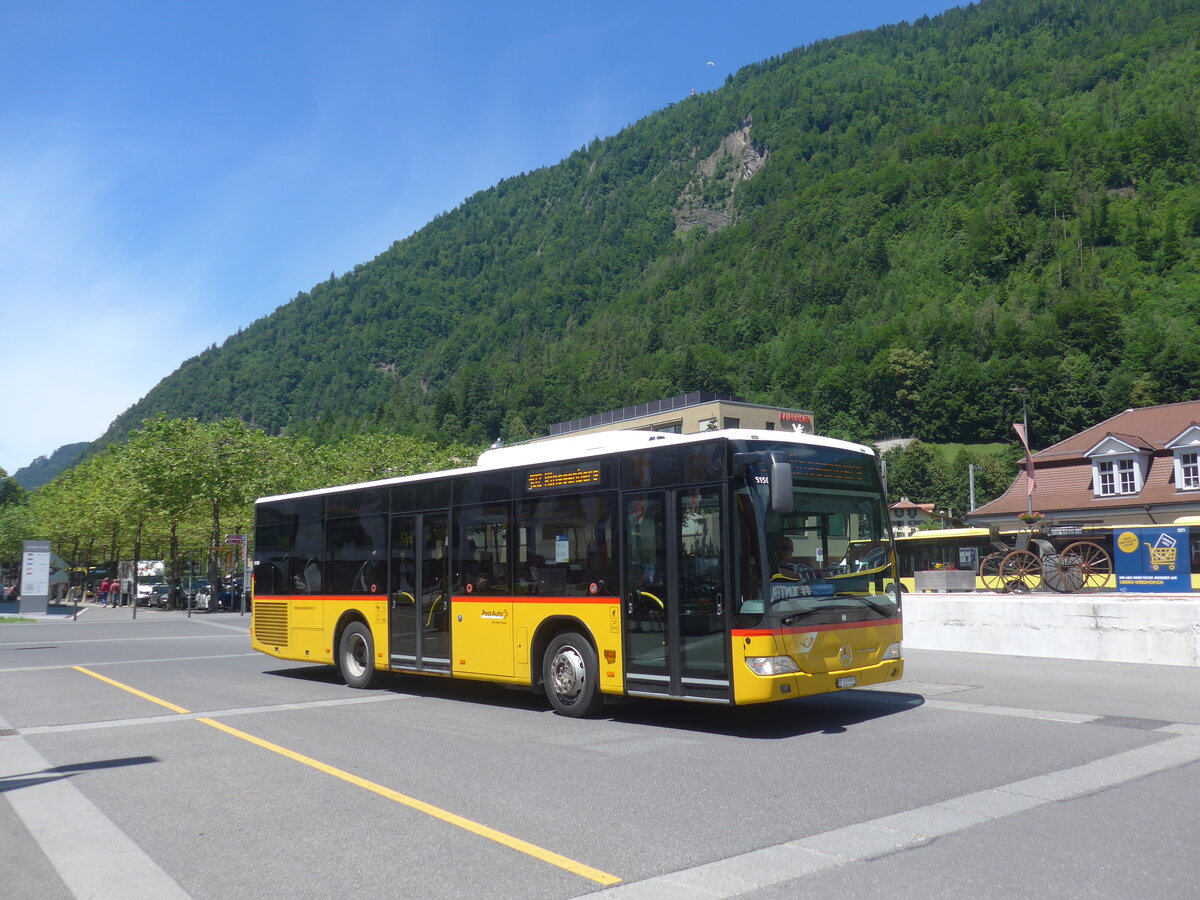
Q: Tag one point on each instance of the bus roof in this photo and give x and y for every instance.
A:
(578, 446)
(587, 445)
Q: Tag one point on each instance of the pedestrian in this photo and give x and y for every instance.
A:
(103, 595)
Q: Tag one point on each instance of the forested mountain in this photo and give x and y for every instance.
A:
(891, 228)
(43, 469)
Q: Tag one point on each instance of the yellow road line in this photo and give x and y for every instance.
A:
(507, 840)
(429, 809)
(132, 690)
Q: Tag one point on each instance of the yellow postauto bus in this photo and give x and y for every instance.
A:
(731, 567)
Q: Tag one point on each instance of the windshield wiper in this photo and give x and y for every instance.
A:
(882, 610)
(792, 618)
(804, 614)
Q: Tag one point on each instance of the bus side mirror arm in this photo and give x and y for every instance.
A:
(782, 500)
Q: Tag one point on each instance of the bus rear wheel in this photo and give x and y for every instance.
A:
(571, 675)
(356, 656)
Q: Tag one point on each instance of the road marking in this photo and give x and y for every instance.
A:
(132, 690)
(241, 711)
(165, 637)
(86, 848)
(130, 662)
(492, 834)
(779, 864)
(499, 837)
(1016, 712)
(243, 630)
(1046, 715)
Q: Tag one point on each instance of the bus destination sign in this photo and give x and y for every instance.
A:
(559, 477)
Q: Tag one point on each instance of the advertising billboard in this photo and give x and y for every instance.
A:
(1152, 559)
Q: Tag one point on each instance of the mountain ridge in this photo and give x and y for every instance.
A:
(43, 469)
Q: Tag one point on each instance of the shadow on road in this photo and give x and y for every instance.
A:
(57, 773)
(824, 714)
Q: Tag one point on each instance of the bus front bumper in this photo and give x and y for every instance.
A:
(750, 687)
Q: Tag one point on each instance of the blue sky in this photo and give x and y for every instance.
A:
(171, 171)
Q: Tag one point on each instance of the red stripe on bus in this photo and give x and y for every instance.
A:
(840, 626)
(456, 598)
(305, 598)
(485, 598)
(492, 598)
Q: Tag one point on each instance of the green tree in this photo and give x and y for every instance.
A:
(10, 492)
(914, 471)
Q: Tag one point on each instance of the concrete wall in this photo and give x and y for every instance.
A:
(1142, 628)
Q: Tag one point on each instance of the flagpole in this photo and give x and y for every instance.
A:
(1024, 392)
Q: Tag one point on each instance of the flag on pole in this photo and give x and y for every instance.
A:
(1029, 477)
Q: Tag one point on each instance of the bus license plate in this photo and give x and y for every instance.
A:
(848, 682)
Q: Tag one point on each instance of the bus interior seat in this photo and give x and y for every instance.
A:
(553, 581)
(367, 580)
(312, 577)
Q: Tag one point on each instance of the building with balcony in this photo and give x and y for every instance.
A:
(690, 414)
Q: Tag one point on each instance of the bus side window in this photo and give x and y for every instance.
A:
(311, 583)
(748, 589)
(481, 554)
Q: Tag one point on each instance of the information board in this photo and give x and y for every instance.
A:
(35, 577)
(1152, 559)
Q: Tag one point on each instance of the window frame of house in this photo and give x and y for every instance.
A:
(1187, 470)
(1117, 476)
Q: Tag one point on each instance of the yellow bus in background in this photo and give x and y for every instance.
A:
(730, 567)
(977, 550)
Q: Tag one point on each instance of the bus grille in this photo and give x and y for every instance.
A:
(271, 623)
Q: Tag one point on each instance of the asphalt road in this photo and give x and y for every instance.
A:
(161, 757)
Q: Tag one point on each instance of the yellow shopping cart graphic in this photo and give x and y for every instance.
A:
(1163, 552)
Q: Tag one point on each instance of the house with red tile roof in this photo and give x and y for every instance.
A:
(1141, 466)
(907, 517)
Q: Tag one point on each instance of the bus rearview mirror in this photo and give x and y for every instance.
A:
(782, 500)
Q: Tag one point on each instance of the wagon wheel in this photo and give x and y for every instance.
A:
(1086, 566)
(989, 571)
(1056, 574)
(1021, 570)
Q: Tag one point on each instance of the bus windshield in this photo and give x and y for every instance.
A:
(829, 557)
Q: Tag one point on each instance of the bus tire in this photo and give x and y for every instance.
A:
(356, 656)
(571, 675)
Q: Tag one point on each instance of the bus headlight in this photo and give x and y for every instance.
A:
(771, 665)
(894, 651)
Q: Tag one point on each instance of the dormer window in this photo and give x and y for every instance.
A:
(1119, 466)
(1189, 471)
(1186, 448)
(1116, 477)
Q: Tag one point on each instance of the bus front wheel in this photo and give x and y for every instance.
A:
(356, 656)
(571, 675)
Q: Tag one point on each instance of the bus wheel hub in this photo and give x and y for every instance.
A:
(568, 672)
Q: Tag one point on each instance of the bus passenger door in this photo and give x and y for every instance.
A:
(419, 601)
(675, 619)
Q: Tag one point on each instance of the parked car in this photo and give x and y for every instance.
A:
(231, 595)
(202, 599)
(187, 596)
(146, 593)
